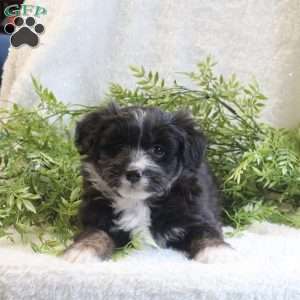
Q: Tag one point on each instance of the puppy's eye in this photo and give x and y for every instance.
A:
(158, 150)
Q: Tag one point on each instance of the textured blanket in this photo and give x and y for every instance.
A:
(269, 269)
(88, 44)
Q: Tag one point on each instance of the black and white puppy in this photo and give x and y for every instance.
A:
(145, 174)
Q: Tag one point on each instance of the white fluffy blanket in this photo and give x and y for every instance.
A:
(88, 44)
(269, 269)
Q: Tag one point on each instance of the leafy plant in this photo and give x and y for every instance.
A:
(258, 166)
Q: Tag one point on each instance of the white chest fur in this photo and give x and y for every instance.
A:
(134, 217)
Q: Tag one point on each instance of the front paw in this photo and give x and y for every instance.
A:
(221, 253)
(89, 247)
(81, 254)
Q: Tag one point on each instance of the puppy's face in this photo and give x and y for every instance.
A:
(136, 153)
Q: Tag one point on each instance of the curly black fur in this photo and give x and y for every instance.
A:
(176, 190)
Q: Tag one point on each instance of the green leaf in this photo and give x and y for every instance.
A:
(29, 206)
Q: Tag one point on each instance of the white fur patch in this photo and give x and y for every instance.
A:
(136, 219)
(134, 213)
(218, 254)
(131, 193)
(139, 115)
(141, 161)
(86, 255)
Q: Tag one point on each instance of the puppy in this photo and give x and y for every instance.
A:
(145, 174)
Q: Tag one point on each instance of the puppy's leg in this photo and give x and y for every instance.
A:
(211, 248)
(90, 246)
(214, 251)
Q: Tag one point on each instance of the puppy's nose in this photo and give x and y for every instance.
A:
(133, 176)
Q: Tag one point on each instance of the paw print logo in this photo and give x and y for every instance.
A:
(24, 32)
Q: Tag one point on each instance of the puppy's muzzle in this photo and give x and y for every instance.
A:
(133, 176)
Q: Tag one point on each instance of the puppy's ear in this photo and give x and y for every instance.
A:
(192, 140)
(88, 129)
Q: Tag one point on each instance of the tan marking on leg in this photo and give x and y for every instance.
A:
(90, 246)
(214, 251)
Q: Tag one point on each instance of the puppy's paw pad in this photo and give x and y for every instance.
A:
(81, 256)
(218, 254)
